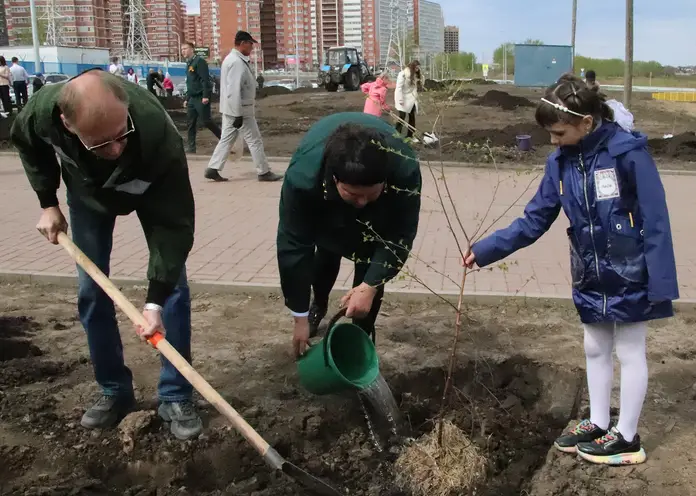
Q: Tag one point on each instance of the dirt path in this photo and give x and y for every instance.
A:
(519, 371)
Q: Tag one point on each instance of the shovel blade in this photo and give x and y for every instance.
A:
(309, 482)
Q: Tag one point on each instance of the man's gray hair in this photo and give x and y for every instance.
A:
(73, 101)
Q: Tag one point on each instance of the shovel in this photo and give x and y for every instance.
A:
(270, 455)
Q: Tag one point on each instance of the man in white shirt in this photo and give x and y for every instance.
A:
(237, 105)
(20, 78)
(117, 69)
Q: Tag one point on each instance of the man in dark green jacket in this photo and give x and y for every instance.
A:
(119, 153)
(352, 190)
(198, 91)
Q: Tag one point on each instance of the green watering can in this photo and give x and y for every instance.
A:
(344, 359)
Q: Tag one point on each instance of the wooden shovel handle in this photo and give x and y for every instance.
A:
(158, 341)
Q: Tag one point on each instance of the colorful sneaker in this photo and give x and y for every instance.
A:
(613, 449)
(584, 432)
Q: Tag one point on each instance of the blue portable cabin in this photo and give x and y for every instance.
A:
(541, 65)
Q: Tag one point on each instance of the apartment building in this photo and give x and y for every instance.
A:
(429, 27)
(451, 39)
(418, 23)
(360, 28)
(370, 43)
(77, 22)
(118, 28)
(164, 23)
(327, 23)
(4, 39)
(193, 31)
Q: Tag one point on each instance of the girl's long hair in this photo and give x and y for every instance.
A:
(412, 66)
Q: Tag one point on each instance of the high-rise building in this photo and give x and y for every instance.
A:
(75, 22)
(327, 23)
(451, 39)
(4, 39)
(359, 28)
(429, 27)
(408, 26)
(193, 31)
(118, 29)
(352, 23)
(370, 43)
(165, 28)
(210, 27)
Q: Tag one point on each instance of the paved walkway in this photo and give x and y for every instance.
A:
(236, 227)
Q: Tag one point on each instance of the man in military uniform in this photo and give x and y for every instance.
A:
(198, 91)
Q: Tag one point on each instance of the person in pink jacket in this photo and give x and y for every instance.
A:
(376, 92)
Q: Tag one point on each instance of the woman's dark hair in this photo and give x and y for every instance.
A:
(2, 60)
(590, 75)
(356, 155)
(571, 93)
(413, 66)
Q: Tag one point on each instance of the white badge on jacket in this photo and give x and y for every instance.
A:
(606, 184)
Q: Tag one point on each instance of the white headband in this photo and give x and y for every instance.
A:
(562, 108)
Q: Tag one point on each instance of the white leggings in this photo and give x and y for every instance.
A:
(630, 348)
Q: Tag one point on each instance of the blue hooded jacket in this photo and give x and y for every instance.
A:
(621, 253)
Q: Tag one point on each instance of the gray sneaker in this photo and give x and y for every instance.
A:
(185, 422)
(270, 177)
(107, 412)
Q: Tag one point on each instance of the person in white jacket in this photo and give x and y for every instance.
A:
(406, 96)
(237, 105)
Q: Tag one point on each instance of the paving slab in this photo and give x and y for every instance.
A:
(236, 226)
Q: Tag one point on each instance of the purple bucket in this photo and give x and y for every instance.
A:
(524, 142)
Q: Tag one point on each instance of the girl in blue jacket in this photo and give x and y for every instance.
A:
(621, 255)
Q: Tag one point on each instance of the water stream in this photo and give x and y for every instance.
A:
(382, 414)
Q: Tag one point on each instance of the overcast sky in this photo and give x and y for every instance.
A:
(665, 30)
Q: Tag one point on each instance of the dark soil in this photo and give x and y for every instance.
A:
(681, 146)
(517, 384)
(502, 99)
(272, 91)
(506, 136)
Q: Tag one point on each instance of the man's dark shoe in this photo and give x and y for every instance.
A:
(214, 175)
(613, 449)
(584, 432)
(270, 176)
(185, 422)
(107, 412)
(316, 315)
(191, 150)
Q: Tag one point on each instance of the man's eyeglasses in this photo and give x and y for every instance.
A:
(130, 130)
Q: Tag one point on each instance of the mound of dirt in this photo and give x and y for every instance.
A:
(682, 146)
(307, 89)
(482, 81)
(502, 99)
(506, 136)
(271, 91)
(463, 94)
(432, 85)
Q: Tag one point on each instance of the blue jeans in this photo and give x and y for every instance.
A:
(92, 232)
